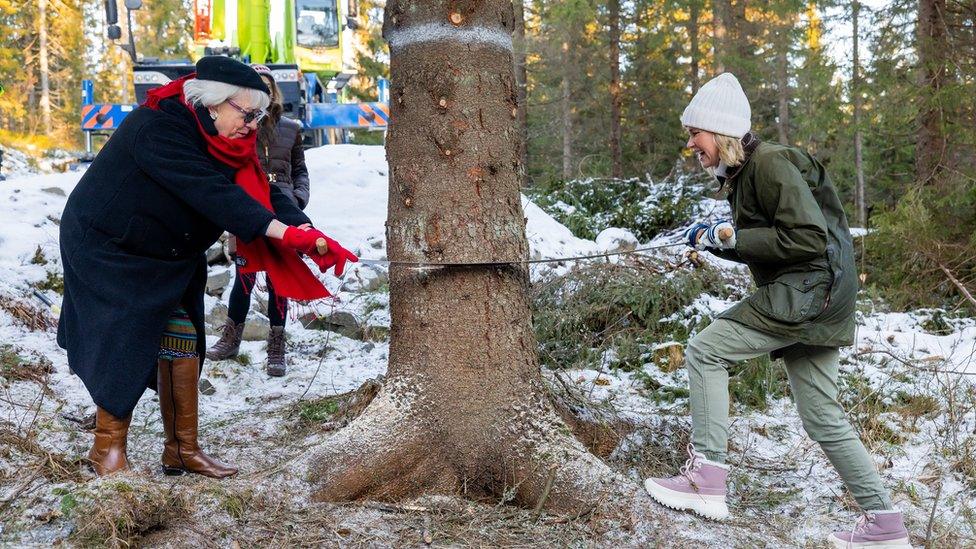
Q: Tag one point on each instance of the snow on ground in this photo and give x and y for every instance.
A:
(775, 463)
(16, 163)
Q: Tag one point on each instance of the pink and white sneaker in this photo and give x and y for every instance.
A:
(877, 530)
(700, 487)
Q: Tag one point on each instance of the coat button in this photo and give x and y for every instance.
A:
(174, 252)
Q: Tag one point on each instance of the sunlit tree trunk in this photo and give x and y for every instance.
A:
(694, 39)
(45, 101)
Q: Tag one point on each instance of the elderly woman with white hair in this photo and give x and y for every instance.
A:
(180, 170)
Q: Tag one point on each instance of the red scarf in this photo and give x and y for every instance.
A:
(289, 275)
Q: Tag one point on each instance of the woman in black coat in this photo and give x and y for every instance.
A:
(178, 172)
(282, 156)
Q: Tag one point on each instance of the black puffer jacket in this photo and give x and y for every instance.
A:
(284, 161)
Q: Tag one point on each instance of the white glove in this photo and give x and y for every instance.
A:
(712, 237)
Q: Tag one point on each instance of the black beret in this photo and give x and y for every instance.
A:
(229, 71)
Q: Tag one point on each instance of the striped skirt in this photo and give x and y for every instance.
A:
(179, 337)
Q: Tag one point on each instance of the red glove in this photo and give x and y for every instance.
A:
(325, 262)
(303, 240)
(337, 256)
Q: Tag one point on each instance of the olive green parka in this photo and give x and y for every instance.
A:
(792, 233)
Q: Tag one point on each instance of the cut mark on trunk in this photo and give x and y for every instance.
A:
(434, 32)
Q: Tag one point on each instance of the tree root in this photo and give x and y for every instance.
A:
(600, 430)
(377, 456)
(353, 403)
(383, 452)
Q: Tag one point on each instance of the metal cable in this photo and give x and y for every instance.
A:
(420, 265)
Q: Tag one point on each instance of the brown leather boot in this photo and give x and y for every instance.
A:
(276, 352)
(107, 454)
(229, 343)
(177, 383)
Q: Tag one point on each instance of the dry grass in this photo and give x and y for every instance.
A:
(654, 449)
(54, 466)
(121, 511)
(19, 365)
(33, 318)
(268, 520)
(331, 412)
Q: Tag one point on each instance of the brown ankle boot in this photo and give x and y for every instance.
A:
(107, 454)
(177, 383)
(229, 343)
(276, 352)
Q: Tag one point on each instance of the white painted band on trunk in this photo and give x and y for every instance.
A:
(437, 32)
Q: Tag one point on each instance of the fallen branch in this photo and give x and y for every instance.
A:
(394, 507)
(545, 492)
(962, 289)
(935, 505)
(911, 364)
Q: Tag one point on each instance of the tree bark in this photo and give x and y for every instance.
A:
(783, 87)
(721, 11)
(45, 102)
(860, 198)
(616, 155)
(464, 408)
(567, 109)
(521, 83)
(933, 49)
(694, 30)
(738, 29)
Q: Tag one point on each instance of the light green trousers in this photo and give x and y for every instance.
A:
(813, 379)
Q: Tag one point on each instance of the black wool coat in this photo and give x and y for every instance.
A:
(284, 161)
(134, 233)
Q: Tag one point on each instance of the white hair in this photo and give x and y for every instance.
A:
(207, 93)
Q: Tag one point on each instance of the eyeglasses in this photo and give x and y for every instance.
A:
(249, 116)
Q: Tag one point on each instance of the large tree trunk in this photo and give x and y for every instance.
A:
(521, 83)
(860, 199)
(933, 49)
(463, 408)
(45, 71)
(616, 160)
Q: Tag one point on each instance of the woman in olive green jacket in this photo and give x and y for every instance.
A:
(788, 226)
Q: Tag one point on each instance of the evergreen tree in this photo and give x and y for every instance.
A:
(164, 29)
(372, 54)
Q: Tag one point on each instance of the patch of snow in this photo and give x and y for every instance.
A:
(614, 239)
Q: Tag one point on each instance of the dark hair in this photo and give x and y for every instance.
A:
(269, 125)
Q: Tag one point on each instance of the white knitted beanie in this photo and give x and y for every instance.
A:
(720, 106)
